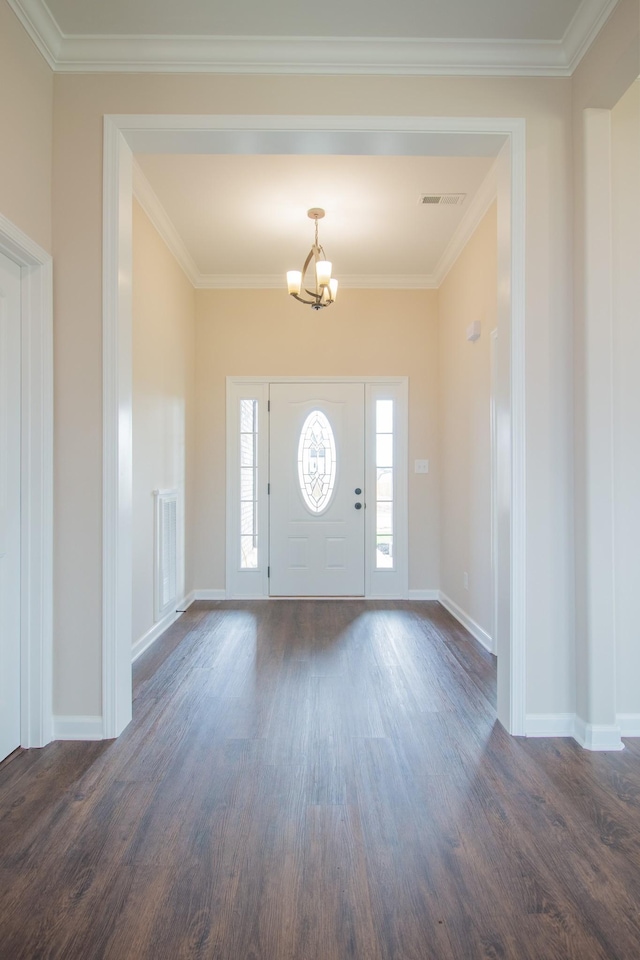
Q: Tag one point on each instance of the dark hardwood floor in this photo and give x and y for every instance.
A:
(319, 780)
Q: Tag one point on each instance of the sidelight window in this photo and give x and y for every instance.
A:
(384, 485)
(248, 484)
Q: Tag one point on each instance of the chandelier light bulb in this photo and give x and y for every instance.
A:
(323, 272)
(294, 281)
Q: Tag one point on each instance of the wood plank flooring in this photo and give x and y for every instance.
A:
(319, 780)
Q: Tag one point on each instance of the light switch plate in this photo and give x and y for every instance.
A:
(421, 466)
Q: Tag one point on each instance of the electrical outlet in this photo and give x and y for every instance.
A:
(421, 466)
(465, 580)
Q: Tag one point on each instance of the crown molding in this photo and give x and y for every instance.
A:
(150, 203)
(588, 20)
(316, 56)
(348, 282)
(312, 55)
(36, 18)
(482, 199)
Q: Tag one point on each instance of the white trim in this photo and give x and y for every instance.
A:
(117, 567)
(152, 206)
(588, 21)
(598, 737)
(485, 195)
(493, 413)
(363, 281)
(251, 133)
(589, 736)
(550, 725)
(405, 56)
(423, 594)
(36, 530)
(19, 247)
(312, 596)
(596, 400)
(36, 18)
(255, 132)
(467, 622)
(518, 591)
(186, 603)
(156, 631)
(629, 724)
(315, 379)
(255, 596)
(78, 728)
(215, 594)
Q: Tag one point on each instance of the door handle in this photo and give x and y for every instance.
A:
(357, 491)
(358, 506)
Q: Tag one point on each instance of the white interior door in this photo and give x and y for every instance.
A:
(9, 506)
(316, 461)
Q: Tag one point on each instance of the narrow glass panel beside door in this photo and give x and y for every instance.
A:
(248, 484)
(384, 485)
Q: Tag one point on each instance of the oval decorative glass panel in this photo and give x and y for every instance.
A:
(316, 462)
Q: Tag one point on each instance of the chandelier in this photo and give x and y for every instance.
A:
(326, 286)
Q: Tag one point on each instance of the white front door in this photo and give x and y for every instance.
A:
(9, 506)
(316, 474)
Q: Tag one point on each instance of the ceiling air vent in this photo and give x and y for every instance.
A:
(442, 199)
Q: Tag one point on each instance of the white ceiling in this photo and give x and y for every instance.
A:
(408, 37)
(243, 219)
(463, 19)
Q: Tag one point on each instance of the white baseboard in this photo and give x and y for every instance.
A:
(594, 736)
(145, 641)
(629, 724)
(247, 596)
(423, 595)
(210, 594)
(550, 725)
(588, 735)
(186, 603)
(474, 629)
(78, 728)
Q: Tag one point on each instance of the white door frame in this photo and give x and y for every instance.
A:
(249, 584)
(36, 480)
(124, 134)
(493, 415)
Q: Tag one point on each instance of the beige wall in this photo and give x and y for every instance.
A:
(163, 402)
(81, 101)
(26, 116)
(468, 294)
(266, 333)
(626, 386)
(612, 62)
